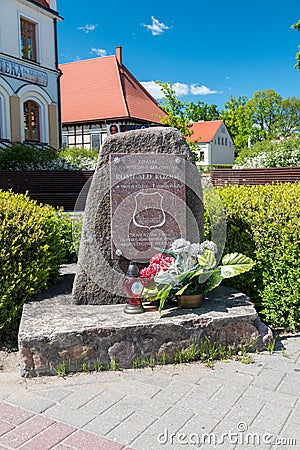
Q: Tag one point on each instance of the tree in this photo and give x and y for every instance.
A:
(290, 116)
(175, 109)
(265, 108)
(296, 26)
(237, 117)
(264, 117)
(201, 111)
(181, 114)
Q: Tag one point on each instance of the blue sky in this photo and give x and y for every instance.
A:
(208, 51)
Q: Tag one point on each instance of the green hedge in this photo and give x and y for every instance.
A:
(32, 247)
(24, 157)
(264, 222)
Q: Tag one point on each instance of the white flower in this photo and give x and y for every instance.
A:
(180, 246)
(210, 245)
(194, 250)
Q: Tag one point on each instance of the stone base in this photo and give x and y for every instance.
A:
(55, 331)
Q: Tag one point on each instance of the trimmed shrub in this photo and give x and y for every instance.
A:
(31, 252)
(70, 228)
(22, 157)
(263, 222)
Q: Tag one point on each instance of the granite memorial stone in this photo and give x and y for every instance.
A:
(145, 193)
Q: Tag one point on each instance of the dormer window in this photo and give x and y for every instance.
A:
(28, 39)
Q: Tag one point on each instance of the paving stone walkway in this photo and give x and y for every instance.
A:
(233, 406)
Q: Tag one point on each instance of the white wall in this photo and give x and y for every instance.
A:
(36, 80)
(10, 13)
(222, 153)
(5, 93)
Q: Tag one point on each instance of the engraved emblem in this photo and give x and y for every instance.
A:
(148, 211)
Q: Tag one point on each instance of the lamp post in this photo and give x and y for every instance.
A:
(133, 288)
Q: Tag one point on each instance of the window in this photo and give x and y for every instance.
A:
(218, 141)
(28, 39)
(65, 141)
(31, 121)
(95, 140)
(225, 141)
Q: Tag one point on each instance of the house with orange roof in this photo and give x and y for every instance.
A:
(214, 142)
(29, 74)
(100, 92)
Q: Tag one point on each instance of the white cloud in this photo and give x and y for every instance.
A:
(202, 90)
(156, 27)
(99, 51)
(88, 27)
(153, 89)
(180, 89)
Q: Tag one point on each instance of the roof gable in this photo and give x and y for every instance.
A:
(205, 131)
(102, 89)
(43, 3)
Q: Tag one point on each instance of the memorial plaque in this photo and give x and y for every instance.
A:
(145, 193)
(148, 209)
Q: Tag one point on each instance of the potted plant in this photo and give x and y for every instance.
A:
(189, 270)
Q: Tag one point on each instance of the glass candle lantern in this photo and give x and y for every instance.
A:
(133, 288)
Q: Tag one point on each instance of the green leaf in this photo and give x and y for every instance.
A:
(150, 292)
(207, 260)
(235, 264)
(181, 291)
(163, 278)
(213, 281)
(162, 296)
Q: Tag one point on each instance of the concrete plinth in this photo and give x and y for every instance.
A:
(54, 330)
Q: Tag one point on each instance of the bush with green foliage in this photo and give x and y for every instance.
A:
(22, 157)
(80, 158)
(32, 248)
(270, 154)
(263, 223)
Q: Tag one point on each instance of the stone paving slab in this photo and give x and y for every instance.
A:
(36, 432)
(165, 408)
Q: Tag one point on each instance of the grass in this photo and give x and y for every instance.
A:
(205, 351)
(271, 345)
(66, 367)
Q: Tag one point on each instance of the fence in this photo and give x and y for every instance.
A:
(57, 188)
(61, 188)
(223, 177)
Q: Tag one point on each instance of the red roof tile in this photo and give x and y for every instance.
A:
(204, 131)
(102, 89)
(43, 3)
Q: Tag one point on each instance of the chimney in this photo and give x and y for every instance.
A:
(119, 54)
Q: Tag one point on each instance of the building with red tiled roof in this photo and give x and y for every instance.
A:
(214, 141)
(99, 92)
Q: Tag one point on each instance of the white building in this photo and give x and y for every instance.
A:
(29, 74)
(214, 141)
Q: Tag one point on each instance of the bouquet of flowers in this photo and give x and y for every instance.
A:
(189, 269)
